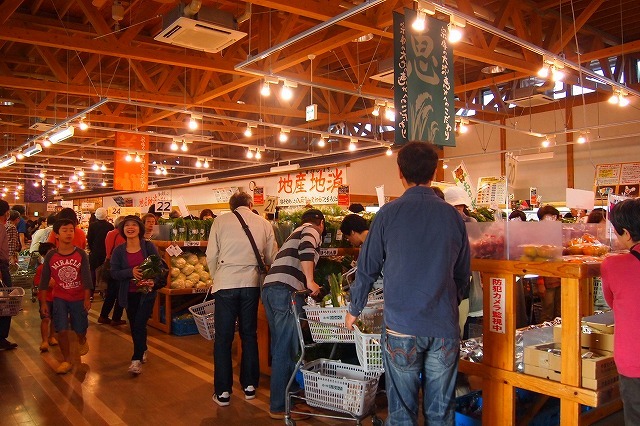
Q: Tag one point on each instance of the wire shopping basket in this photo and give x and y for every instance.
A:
(10, 301)
(203, 316)
(341, 387)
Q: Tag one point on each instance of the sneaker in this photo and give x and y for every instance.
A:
(44, 347)
(53, 341)
(144, 357)
(83, 349)
(249, 392)
(135, 367)
(116, 323)
(6, 345)
(222, 399)
(104, 320)
(279, 415)
(64, 368)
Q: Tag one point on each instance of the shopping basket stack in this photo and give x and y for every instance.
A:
(203, 315)
(340, 387)
(10, 300)
(327, 324)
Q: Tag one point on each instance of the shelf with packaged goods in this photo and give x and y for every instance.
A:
(497, 368)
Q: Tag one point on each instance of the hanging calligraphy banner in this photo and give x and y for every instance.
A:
(317, 186)
(423, 89)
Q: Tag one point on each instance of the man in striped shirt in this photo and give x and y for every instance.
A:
(292, 270)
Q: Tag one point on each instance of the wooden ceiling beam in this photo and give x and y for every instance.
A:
(580, 21)
(99, 46)
(97, 21)
(51, 61)
(7, 9)
(142, 76)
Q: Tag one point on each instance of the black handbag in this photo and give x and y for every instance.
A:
(262, 268)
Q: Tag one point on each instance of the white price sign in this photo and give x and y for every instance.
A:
(163, 206)
(270, 204)
(87, 206)
(498, 294)
(328, 252)
(192, 243)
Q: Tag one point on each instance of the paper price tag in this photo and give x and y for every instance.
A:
(328, 252)
(192, 243)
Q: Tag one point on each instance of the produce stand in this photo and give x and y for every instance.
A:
(497, 369)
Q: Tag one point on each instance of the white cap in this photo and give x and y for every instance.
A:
(101, 213)
(457, 196)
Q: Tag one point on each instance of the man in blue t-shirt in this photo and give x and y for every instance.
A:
(21, 225)
(421, 241)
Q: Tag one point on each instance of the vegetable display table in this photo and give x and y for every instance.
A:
(497, 368)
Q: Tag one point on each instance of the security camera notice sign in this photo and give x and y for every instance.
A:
(497, 319)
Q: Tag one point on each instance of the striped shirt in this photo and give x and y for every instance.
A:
(12, 235)
(302, 245)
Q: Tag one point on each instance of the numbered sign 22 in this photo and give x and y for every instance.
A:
(163, 206)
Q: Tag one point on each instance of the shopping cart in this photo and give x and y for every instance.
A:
(349, 390)
(23, 272)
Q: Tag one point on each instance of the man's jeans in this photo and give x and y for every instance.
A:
(139, 309)
(284, 340)
(405, 358)
(232, 304)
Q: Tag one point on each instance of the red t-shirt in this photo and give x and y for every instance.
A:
(620, 284)
(36, 283)
(70, 273)
(79, 238)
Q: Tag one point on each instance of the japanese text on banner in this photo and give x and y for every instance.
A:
(498, 293)
(318, 186)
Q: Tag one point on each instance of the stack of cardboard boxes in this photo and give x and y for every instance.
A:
(598, 367)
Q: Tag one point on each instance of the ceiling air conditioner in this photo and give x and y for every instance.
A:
(210, 30)
(527, 97)
(385, 71)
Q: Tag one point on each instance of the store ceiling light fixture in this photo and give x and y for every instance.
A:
(463, 125)
(184, 147)
(455, 29)
(248, 132)
(284, 135)
(7, 161)
(582, 138)
(83, 125)
(286, 93)
(352, 144)
(61, 135)
(422, 10)
(389, 112)
(193, 123)
(551, 67)
(174, 145)
(322, 142)
(265, 90)
(619, 97)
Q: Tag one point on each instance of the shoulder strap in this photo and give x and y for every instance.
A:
(247, 231)
(635, 253)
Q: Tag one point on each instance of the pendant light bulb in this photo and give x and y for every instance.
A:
(205, 164)
(258, 154)
(248, 132)
(174, 146)
(352, 146)
(265, 90)
(249, 154)
(286, 93)
(198, 163)
(83, 125)
(128, 158)
(103, 167)
(193, 124)
(321, 142)
(184, 147)
(95, 167)
(376, 111)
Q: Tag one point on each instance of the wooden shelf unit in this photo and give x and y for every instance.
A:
(497, 368)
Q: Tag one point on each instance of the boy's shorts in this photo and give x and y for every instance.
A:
(49, 305)
(65, 312)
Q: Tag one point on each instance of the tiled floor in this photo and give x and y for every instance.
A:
(174, 389)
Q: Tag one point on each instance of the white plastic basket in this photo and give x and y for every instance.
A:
(327, 324)
(340, 387)
(204, 319)
(376, 295)
(368, 349)
(10, 301)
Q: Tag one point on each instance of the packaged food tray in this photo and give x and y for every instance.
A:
(368, 349)
(327, 324)
(340, 387)
(10, 301)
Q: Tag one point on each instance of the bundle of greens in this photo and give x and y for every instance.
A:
(151, 268)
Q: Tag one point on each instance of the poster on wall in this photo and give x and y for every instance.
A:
(315, 186)
(131, 175)
(423, 74)
(617, 179)
(258, 196)
(344, 200)
(492, 190)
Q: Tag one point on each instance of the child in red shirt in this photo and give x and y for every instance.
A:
(68, 266)
(46, 328)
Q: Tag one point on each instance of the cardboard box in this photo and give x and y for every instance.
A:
(596, 341)
(546, 361)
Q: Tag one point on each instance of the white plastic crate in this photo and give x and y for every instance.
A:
(327, 324)
(10, 301)
(203, 315)
(340, 387)
(368, 349)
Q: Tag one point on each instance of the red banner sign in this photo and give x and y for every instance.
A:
(131, 175)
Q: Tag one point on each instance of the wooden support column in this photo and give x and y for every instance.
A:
(439, 170)
(499, 353)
